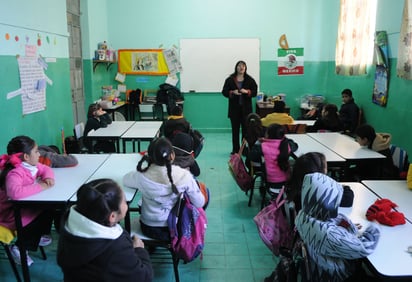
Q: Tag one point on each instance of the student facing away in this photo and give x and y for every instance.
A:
(93, 246)
(278, 116)
(21, 176)
(175, 123)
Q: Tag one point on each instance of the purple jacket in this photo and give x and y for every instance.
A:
(20, 184)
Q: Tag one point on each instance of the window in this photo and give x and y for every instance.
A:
(355, 42)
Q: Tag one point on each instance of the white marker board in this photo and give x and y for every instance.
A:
(206, 63)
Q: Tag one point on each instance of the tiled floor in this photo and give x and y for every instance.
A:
(233, 249)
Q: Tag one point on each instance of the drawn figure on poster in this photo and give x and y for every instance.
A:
(145, 61)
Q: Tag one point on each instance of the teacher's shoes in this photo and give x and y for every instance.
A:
(15, 252)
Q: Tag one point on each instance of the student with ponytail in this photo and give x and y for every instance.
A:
(160, 183)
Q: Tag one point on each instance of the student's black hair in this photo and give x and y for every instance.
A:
(347, 91)
(93, 108)
(159, 153)
(176, 111)
(308, 163)
(19, 144)
(332, 116)
(366, 131)
(277, 131)
(279, 106)
(254, 128)
(97, 199)
(238, 63)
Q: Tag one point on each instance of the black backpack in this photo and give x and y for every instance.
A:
(168, 95)
(135, 96)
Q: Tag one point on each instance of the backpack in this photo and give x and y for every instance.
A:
(187, 227)
(168, 95)
(198, 141)
(238, 170)
(273, 226)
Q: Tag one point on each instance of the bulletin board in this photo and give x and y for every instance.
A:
(206, 63)
(142, 61)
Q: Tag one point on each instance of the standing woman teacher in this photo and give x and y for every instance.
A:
(239, 88)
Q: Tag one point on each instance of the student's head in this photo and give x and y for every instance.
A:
(177, 111)
(307, 163)
(346, 95)
(365, 134)
(161, 153)
(329, 110)
(275, 131)
(240, 67)
(20, 148)
(254, 128)
(103, 201)
(93, 109)
(182, 144)
(279, 106)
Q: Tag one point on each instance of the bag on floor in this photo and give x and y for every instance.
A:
(273, 226)
(198, 141)
(187, 227)
(238, 170)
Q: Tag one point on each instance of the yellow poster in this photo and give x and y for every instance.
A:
(142, 61)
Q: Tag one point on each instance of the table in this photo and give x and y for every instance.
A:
(308, 144)
(113, 131)
(141, 131)
(308, 122)
(67, 181)
(395, 190)
(111, 109)
(390, 258)
(115, 167)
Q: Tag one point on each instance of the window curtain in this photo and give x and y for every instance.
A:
(403, 67)
(355, 41)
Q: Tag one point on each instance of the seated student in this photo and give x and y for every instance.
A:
(333, 242)
(329, 120)
(275, 149)
(379, 142)
(254, 131)
(278, 116)
(349, 111)
(176, 122)
(97, 118)
(93, 246)
(161, 182)
(184, 155)
(51, 156)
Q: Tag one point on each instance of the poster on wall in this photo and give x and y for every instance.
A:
(142, 61)
(380, 86)
(290, 61)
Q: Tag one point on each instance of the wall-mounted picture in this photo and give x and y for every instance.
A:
(142, 61)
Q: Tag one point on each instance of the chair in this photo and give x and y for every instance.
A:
(400, 160)
(154, 243)
(6, 237)
(258, 175)
(78, 134)
(298, 128)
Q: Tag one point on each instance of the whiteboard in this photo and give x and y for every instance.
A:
(206, 63)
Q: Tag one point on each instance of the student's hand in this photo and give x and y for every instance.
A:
(49, 182)
(137, 242)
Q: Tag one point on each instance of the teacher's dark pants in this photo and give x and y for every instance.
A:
(237, 121)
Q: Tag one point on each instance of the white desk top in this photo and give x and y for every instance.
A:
(115, 129)
(307, 144)
(308, 122)
(115, 167)
(345, 146)
(395, 190)
(390, 257)
(69, 179)
(143, 129)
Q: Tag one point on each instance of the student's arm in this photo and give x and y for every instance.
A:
(16, 186)
(292, 145)
(131, 179)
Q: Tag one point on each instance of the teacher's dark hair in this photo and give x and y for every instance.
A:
(238, 63)
(97, 199)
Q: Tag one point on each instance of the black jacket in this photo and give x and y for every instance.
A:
(349, 115)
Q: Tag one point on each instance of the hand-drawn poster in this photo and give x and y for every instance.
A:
(33, 84)
(290, 61)
(380, 88)
(142, 61)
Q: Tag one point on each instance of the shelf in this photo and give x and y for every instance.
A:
(107, 63)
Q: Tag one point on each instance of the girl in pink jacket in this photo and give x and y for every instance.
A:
(21, 176)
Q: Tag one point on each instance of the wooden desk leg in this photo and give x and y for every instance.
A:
(22, 248)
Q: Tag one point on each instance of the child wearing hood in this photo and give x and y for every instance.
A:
(332, 240)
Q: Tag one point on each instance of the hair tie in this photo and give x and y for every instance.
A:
(164, 155)
(13, 159)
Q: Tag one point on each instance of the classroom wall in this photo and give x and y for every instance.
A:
(308, 24)
(30, 21)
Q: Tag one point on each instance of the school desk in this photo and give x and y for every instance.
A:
(120, 106)
(115, 167)
(390, 258)
(67, 181)
(395, 190)
(141, 131)
(308, 122)
(113, 131)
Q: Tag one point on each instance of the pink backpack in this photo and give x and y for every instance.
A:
(273, 227)
(238, 170)
(187, 227)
